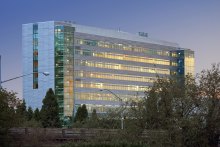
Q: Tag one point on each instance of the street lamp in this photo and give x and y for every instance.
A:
(121, 103)
(113, 94)
(44, 73)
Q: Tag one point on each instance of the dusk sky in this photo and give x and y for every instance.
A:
(193, 24)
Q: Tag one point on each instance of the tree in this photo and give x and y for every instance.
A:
(172, 105)
(29, 114)
(209, 89)
(187, 110)
(8, 116)
(93, 121)
(78, 114)
(81, 114)
(37, 114)
(94, 116)
(84, 112)
(8, 103)
(21, 109)
(50, 110)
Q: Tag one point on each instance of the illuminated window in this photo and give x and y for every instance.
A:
(88, 74)
(127, 47)
(111, 86)
(64, 68)
(121, 67)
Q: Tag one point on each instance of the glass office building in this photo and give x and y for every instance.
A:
(86, 63)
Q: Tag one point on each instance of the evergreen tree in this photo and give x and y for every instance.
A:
(50, 110)
(94, 116)
(81, 114)
(37, 114)
(78, 115)
(93, 122)
(21, 109)
(29, 113)
(84, 112)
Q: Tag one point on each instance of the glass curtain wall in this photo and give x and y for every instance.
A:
(189, 62)
(64, 50)
(186, 62)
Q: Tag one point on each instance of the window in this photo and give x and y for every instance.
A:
(35, 56)
(120, 46)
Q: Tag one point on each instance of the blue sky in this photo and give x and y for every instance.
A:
(194, 24)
